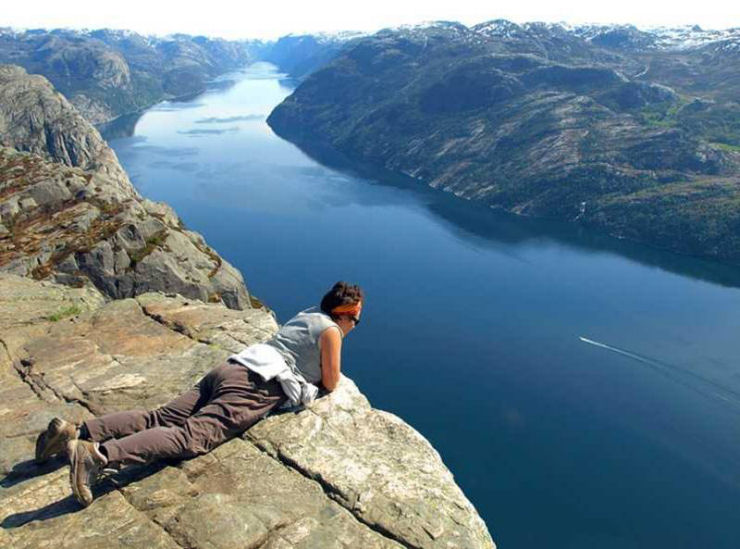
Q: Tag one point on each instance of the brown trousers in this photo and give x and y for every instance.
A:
(226, 402)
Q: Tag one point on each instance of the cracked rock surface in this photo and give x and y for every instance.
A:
(339, 474)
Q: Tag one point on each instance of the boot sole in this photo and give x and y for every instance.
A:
(73, 476)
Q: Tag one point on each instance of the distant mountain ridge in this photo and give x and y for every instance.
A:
(107, 73)
(642, 142)
(609, 35)
(667, 38)
(301, 54)
(110, 72)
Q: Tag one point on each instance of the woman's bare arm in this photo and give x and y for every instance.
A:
(331, 356)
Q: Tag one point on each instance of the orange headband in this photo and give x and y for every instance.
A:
(351, 309)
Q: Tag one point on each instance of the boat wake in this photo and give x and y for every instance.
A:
(682, 376)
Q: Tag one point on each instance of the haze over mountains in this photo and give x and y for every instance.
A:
(633, 132)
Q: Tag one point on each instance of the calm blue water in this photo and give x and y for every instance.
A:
(471, 328)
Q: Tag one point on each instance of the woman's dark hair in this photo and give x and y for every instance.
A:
(342, 293)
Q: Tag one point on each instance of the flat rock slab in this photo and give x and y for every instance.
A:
(338, 474)
(28, 310)
(42, 514)
(377, 466)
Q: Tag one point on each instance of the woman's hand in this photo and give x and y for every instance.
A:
(330, 343)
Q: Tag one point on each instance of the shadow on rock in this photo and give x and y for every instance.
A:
(106, 484)
(58, 508)
(26, 470)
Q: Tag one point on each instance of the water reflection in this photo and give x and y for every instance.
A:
(198, 132)
(481, 225)
(217, 120)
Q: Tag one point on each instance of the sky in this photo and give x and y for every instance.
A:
(268, 19)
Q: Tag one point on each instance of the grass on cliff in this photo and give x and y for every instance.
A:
(72, 310)
(152, 242)
(700, 217)
(727, 147)
(663, 114)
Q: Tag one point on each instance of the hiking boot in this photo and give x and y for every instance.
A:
(54, 439)
(85, 464)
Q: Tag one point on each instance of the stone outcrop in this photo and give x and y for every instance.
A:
(68, 210)
(37, 118)
(79, 227)
(337, 474)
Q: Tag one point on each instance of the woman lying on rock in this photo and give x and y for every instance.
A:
(227, 401)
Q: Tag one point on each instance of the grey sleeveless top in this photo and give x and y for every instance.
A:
(298, 342)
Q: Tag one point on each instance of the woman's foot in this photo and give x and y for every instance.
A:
(54, 439)
(85, 463)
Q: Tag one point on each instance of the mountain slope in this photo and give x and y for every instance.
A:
(536, 120)
(106, 73)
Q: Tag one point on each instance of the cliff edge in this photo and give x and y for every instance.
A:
(337, 474)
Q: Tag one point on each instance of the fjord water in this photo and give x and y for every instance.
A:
(585, 392)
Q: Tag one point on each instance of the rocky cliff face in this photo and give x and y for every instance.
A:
(35, 117)
(106, 73)
(69, 212)
(539, 120)
(338, 474)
